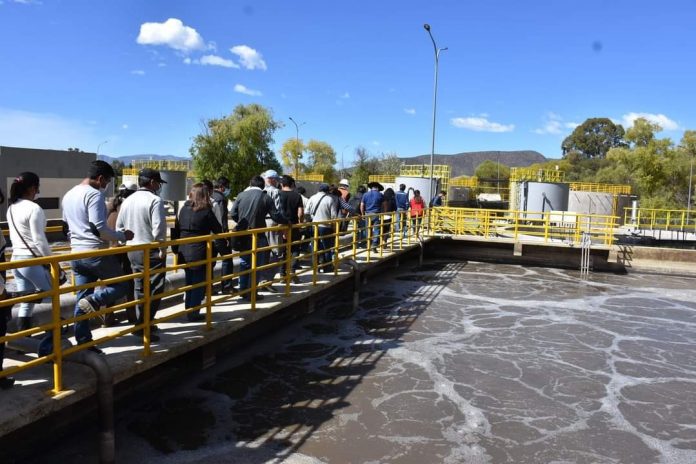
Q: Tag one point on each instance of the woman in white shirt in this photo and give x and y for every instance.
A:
(27, 223)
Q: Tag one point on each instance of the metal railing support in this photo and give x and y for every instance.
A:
(357, 282)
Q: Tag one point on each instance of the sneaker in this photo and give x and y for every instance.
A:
(268, 288)
(247, 297)
(6, 383)
(87, 305)
(195, 317)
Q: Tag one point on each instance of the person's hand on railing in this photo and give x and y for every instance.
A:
(129, 234)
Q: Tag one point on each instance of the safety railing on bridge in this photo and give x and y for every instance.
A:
(541, 227)
(661, 219)
(323, 245)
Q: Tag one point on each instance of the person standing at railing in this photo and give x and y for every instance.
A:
(6, 312)
(196, 218)
(144, 214)
(84, 213)
(293, 209)
(388, 206)
(323, 206)
(250, 211)
(218, 197)
(304, 247)
(402, 205)
(371, 205)
(438, 200)
(27, 223)
(417, 210)
(275, 238)
(354, 202)
(113, 208)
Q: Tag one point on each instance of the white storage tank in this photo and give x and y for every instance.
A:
(417, 183)
(543, 197)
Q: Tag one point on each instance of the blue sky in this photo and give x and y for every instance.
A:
(142, 75)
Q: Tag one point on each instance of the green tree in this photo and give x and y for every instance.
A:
(594, 138)
(490, 169)
(363, 166)
(389, 164)
(236, 146)
(322, 158)
(291, 154)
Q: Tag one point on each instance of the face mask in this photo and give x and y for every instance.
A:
(103, 189)
(227, 192)
(37, 195)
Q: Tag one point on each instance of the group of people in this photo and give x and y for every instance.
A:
(136, 215)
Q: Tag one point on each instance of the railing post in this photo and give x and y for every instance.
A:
(368, 226)
(56, 329)
(315, 260)
(209, 283)
(355, 236)
(252, 287)
(147, 302)
(337, 244)
(288, 259)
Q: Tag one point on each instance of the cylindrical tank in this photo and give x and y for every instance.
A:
(542, 197)
(417, 183)
(175, 187)
(129, 179)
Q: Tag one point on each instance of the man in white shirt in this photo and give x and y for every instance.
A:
(275, 239)
(322, 206)
(143, 213)
(84, 212)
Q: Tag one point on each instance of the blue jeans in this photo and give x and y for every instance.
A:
(374, 223)
(156, 282)
(401, 224)
(245, 265)
(325, 242)
(30, 279)
(222, 248)
(195, 296)
(90, 270)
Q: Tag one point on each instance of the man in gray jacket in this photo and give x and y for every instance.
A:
(143, 213)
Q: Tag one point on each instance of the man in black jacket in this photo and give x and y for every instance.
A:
(249, 212)
(221, 192)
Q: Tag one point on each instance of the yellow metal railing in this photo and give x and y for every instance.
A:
(661, 219)
(365, 237)
(311, 177)
(616, 189)
(518, 174)
(521, 226)
(464, 181)
(382, 178)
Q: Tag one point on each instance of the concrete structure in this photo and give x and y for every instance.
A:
(59, 171)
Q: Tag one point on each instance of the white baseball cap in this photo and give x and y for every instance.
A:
(344, 182)
(270, 173)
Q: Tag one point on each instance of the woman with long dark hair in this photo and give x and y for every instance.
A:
(196, 218)
(27, 223)
(388, 206)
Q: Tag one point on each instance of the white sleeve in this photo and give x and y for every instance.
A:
(37, 228)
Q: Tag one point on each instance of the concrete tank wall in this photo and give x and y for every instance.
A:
(543, 197)
(591, 203)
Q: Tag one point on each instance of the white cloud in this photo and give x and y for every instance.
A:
(171, 33)
(248, 57)
(376, 143)
(44, 130)
(345, 96)
(239, 88)
(161, 64)
(138, 72)
(124, 126)
(27, 2)
(187, 60)
(554, 124)
(410, 111)
(481, 125)
(664, 122)
(214, 60)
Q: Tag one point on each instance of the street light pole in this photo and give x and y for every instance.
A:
(688, 204)
(437, 61)
(297, 142)
(99, 146)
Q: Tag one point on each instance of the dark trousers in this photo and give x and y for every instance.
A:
(156, 282)
(222, 247)
(193, 298)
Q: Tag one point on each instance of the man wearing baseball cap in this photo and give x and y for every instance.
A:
(143, 213)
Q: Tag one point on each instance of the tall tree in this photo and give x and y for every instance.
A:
(236, 146)
(322, 158)
(291, 154)
(389, 164)
(594, 138)
(492, 170)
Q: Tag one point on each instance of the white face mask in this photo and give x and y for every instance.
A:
(103, 189)
(37, 195)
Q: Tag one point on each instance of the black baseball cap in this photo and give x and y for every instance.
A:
(152, 174)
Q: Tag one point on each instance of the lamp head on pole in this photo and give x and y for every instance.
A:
(426, 26)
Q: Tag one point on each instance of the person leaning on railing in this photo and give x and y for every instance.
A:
(293, 208)
(371, 203)
(27, 224)
(196, 218)
(417, 210)
(84, 213)
(143, 213)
